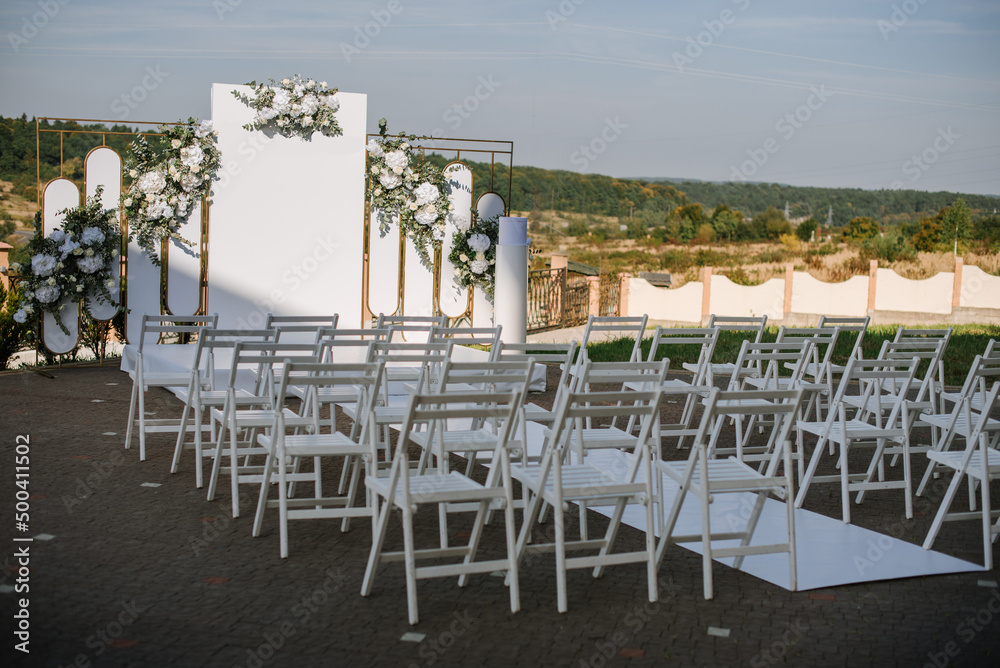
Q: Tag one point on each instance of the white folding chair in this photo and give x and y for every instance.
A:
(406, 490)
(708, 477)
(682, 341)
(990, 355)
(197, 397)
(628, 329)
(557, 480)
(299, 328)
(978, 462)
(153, 330)
(241, 420)
(748, 325)
(887, 430)
(285, 450)
(410, 328)
(817, 373)
(960, 423)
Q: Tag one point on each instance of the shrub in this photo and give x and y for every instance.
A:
(13, 334)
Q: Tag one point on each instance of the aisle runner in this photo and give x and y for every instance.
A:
(830, 553)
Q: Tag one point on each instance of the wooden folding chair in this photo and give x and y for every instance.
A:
(299, 328)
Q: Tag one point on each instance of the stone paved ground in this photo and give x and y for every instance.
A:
(158, 576)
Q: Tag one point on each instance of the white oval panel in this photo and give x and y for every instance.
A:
(143, 290)
(104, 168)
(419, 292)
(454, 299)
(101, 309)
(184, 267)
(59, 194)
(489, 205)
(383, 267)
(54, 338)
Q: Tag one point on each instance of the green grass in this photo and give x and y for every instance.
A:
(967, 341)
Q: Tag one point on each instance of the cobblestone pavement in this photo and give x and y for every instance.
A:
(141, 570)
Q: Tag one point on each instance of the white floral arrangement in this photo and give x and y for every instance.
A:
(294, 106)
(168, 182)
(416, 191)
(474, 251)
(79, 261)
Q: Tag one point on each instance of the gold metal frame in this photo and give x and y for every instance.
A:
(435, 145)
(122, 220)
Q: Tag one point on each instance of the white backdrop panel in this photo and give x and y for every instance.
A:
(104, 168)
(489, 205)
(454, 298)
(184, 267)
(383, 267)
(59, 194)
(286, 227)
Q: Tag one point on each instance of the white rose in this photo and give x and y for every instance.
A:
(175, 143)
(127, 202)
(190, 181)
(133, 173)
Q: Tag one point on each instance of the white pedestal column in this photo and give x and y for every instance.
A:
(510, 300)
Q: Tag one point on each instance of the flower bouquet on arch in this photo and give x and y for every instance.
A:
(168, 182)
(474, 251)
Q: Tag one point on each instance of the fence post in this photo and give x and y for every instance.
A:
(956, 293)
(872, 277)
(594, 284)
(706, 293)
(789, 275)
(623, 294)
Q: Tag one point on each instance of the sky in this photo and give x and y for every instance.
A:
(848, 93)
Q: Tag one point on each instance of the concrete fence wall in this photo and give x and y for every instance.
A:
(967, 295)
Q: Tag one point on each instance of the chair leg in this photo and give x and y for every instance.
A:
(410, 562)
(560, 526)
(181, 432)
(131, 416)
(265, 485)
(142, 424)
(279, 457)
(378, 539)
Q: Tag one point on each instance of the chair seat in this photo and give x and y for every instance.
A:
(166, 379)
(962, 428)
(856, 430)
(317, 445)
(730, 475)
(601, 437)
(953, 459)
(262, 417)
(976, 401)
(439, 487)
(459, 441)
(578, 481)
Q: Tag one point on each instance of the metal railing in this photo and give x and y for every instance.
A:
(555, 302)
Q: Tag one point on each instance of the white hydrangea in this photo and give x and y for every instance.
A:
(42, 265)
(89, 265)
(151, 182)
(478, 266)
(310, 105)
(20, 315)
(479, 243)
(426, 193)
(282, 101)
(192, 156)
(159, 209)
(375, 148)
(204, 129)
(58, 236)
(47, 294)
(331, 102)
(390, 180)
(426, 215)
(91, 235)
(396, 161)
